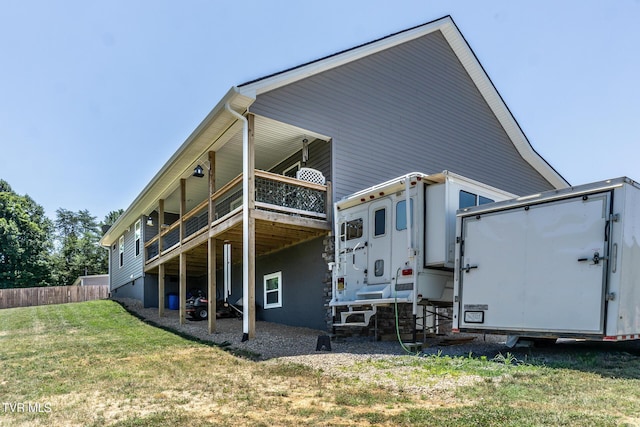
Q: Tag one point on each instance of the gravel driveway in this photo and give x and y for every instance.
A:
(276, 342)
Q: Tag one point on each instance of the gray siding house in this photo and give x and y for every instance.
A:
(417, 100)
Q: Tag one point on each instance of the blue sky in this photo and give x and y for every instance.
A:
(95, 96)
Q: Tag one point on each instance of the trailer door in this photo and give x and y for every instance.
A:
(537, 268)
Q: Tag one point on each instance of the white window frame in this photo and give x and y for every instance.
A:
(121, 251)
(138, 236)
(267, 277)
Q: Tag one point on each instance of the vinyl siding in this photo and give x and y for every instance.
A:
(132, 267)
(303, 274)
(409, 108)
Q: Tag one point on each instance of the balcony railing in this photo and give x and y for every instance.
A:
(274, 192)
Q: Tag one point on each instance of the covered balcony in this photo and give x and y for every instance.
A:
(260, 185)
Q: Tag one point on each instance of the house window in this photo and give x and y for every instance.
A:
(380, 222)
(138, 234)
(351, 229)
(121, 251)
(401, 214)
(292, 170)
(273, 290)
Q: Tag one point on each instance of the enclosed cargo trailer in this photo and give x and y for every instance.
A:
(564, 263)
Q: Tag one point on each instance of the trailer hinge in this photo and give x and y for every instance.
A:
(611, 296)
(614, 217)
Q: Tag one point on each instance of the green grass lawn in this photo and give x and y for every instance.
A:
(95, 364)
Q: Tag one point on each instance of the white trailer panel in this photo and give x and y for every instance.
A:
(564, 263)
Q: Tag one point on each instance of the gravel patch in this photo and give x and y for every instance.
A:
(275, 340)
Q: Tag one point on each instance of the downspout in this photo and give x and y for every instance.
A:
(245, 220)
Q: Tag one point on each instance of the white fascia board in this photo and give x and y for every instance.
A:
(173, 168)
(316, 67)
(498, 106)
(465, 55)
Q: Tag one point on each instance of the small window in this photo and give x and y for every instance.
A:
(467, 199)
(380, 222)
(138, 234)
(292, 170)
(484, 200)
(121, 251)
(351, 229)
(401, 214)
(378, 267)
(273, 290)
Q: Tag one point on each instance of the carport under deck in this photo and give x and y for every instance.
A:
(285, 212)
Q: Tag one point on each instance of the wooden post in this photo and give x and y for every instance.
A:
(183, 206)
(211, 252)
(250, 301)
(183, 287)
(211, 284)
(161, 290)
(160, 223)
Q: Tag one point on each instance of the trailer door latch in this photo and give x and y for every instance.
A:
(468, 267)
(611, 296)
(596, 258)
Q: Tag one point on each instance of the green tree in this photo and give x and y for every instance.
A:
(77, 250)
(25, 241)
(110, 219)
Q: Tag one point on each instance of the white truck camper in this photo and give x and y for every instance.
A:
(387, 254)
(560, 264)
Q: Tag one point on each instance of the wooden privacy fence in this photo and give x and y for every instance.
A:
(25, 297)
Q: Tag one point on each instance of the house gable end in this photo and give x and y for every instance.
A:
(412, 107)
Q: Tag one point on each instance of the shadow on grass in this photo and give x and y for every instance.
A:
(226, 346)
(607, 359)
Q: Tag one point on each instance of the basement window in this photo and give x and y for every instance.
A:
(273, 290)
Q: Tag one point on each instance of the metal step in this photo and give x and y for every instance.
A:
(344, 316)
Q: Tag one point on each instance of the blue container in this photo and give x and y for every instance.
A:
(174, 302)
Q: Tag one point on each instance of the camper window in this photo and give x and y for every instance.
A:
(466, 199)
(401, 214)
(380, 222)
(469, 199)
(351, 229)
(484, 200)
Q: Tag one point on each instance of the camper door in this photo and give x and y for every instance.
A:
(379, 263)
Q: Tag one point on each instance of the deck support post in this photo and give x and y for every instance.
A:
(161, 295)
(160, 224)
(211, 250)
(183, 287)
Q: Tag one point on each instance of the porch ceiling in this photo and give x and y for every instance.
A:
(274, 232)
(274, 142)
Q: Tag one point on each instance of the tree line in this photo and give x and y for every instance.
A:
(36, 251)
